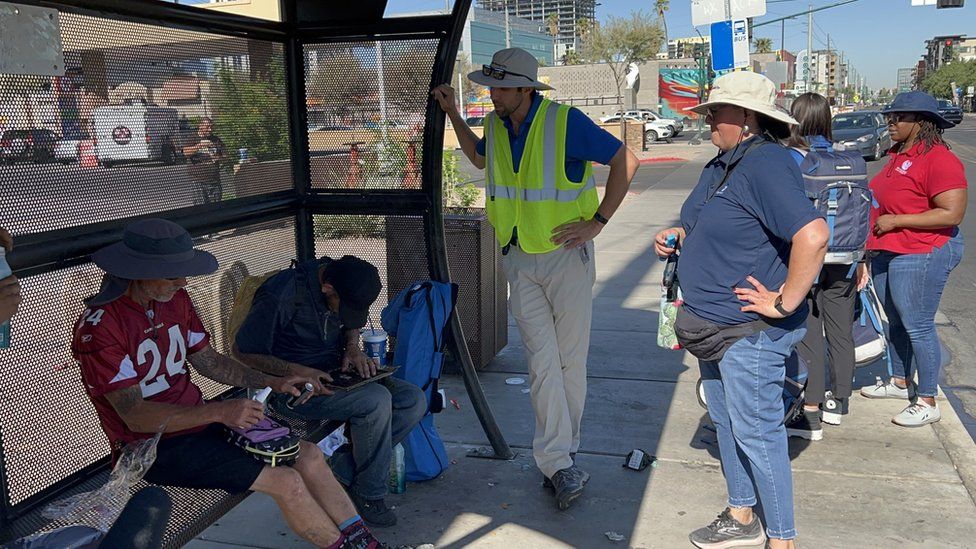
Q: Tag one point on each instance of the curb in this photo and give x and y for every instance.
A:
(661, 159)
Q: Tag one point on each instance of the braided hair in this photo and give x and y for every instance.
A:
(930, 134)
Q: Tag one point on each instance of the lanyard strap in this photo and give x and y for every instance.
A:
(731, 166)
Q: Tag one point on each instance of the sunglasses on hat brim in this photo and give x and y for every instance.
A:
(499, 73)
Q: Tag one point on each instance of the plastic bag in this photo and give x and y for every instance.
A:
(67, 537)
(99, 508)
(666, 337)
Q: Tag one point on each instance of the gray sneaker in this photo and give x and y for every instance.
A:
(725, 532)
(568, 484)
(917, 415)
(547, 482)
(884, 389)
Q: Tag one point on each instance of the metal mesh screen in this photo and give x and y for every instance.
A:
(49, 427)
(124, 131)
(366, 104)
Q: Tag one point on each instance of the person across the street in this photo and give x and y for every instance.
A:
(751, 245)
(204, 152)
(543, 204)
(921, 197)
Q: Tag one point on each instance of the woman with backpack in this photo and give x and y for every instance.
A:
(920, 200)
(751, 244)
(834, 294)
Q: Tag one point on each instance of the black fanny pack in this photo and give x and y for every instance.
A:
(707, 340)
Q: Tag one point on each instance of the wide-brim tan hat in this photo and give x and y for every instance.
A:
(748, 90)
(510, 68)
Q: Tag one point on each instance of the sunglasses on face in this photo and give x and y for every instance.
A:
(499, 73)
(712, 112)
(896, 117)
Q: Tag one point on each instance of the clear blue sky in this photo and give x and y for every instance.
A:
(878, 36)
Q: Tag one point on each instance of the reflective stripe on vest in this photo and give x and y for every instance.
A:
(539, 196)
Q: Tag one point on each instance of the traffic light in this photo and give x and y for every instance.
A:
(949, 4)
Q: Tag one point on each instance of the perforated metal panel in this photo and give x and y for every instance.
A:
(366, 104)
(117, 135)
(49, 427)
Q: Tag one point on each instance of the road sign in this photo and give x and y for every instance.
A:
(706, 12)
(730, 45)
(923, 2)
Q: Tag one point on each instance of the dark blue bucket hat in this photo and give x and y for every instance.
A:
(918, 102)
(150, 249)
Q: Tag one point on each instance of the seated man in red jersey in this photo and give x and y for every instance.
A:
(133, 342)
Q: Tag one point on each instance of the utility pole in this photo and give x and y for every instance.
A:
(782, 40)
(508, 30)
(830, 80)
(808, 77)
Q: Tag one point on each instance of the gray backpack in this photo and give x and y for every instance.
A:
(837, 183)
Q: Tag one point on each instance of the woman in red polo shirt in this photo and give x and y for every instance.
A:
(920, 199)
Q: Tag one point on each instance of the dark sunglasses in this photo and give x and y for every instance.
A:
(499, 74)
(896, 117)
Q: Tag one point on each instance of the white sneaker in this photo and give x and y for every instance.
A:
(918, 414)
(884, 389)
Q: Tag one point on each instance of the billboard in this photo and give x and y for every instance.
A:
(678, 90)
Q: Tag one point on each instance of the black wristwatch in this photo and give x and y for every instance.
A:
(778, 305)
(602, 220)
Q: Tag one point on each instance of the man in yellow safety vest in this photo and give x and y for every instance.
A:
(542, 200)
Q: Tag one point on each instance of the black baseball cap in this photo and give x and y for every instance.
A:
(358, 284)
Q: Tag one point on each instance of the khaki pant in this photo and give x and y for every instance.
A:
(551, 299)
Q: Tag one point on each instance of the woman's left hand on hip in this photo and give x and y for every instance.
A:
(760, 300)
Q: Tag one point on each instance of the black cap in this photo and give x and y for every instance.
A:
(358, 284)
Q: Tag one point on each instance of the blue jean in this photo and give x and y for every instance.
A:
(910, 288)
(744, 391)
(380, 415)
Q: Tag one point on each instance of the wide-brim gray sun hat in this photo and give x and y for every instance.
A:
(510, 68)
(748, 90)
(152, 249)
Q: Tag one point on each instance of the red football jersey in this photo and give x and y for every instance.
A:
(122, 344)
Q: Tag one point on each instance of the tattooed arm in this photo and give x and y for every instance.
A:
(144, 416)
(228, 371)
(279, 367)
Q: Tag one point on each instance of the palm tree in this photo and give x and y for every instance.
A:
(662, 6)
(763, 45)
(552, 22)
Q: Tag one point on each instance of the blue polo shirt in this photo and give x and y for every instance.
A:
(289, 319)
(745, 229)
(588, 142)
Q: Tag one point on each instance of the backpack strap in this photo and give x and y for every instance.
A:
(831, 213)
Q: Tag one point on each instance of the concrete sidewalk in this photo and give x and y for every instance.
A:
(869, 483)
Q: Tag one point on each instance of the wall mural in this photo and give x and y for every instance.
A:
(678, 90)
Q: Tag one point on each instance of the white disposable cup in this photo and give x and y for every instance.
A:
(374, 345)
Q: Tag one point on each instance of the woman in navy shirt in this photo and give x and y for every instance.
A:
(751, 245)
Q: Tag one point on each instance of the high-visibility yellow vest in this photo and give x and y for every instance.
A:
(540, 197)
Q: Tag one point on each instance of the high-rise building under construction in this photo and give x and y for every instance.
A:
(568, 18)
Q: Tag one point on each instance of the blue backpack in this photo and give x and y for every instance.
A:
(837, 182)
(416, 318)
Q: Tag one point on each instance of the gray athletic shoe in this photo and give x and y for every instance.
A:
(568, 484)
(547, 482)
(725, 532)
(917, 415)
(884, 389)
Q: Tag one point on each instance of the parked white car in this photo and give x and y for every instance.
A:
(676, 126)
(653, 129)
